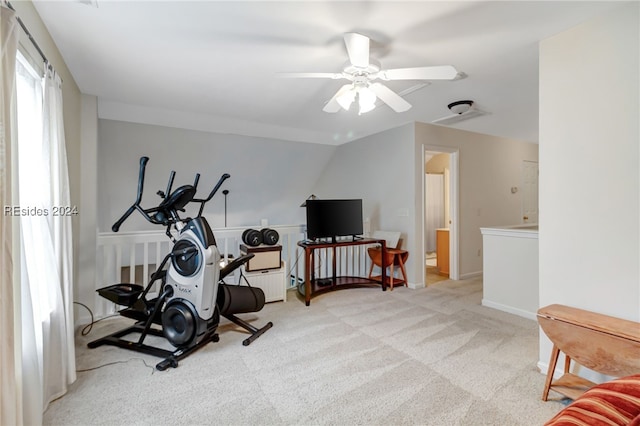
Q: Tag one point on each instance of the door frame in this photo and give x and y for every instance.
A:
(524, 193)
(454, 200)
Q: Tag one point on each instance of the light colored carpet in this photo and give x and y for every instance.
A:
(431, 356)
(433, 277)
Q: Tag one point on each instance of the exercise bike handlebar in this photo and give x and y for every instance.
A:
(215, 188)
(212, 193)
(136, 205)
(143, 165)
(146, 212)
(116, 226)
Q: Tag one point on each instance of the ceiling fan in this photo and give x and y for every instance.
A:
(362, 73)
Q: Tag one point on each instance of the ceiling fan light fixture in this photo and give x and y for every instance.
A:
(366, 100)
(460, 107)
(346, 99)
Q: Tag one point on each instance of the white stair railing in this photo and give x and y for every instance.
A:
(132, 257)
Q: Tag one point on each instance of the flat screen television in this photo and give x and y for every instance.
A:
(334, 218)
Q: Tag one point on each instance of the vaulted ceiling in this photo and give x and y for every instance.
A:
(214, 65)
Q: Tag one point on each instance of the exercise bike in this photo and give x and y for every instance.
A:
(192, 294)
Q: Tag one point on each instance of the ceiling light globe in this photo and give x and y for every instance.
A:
(366, 100)
(346, 99)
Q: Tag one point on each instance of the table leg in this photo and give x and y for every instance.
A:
(383, 262)
(403, 271)
(307, 276)
(391, 273)
(552, 367)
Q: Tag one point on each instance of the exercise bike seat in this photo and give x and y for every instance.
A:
(235, 264)
(178, 199)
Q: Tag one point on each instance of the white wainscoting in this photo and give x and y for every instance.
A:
(145, 250)
(510, 269)
(117, 252)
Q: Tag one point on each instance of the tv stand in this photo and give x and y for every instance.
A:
(312, 286)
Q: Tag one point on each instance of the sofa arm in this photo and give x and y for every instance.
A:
(616, 402)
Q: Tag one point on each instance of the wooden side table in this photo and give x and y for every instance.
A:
(394, 257)
(602, 343)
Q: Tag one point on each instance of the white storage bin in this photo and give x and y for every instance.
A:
(272, 281)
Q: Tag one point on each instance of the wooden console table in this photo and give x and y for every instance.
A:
(311, 286)
(604, 344)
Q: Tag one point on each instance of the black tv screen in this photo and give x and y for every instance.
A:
(334, 218)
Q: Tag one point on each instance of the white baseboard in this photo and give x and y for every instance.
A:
(415, 286)
(509, 309)
(470, 275)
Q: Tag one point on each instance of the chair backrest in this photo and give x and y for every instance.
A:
(392, 238)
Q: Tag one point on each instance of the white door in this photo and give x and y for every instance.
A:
(529, 192)
(447, 198)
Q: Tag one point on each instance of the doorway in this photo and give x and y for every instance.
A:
(530, 192)
(440, 242)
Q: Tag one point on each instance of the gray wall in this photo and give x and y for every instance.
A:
(269, 178)
(378, 169)
(489, 167)
(386, 171)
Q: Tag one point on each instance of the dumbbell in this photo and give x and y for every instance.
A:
(270, 236)
(254, 238)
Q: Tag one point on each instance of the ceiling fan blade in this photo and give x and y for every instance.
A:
(442, 72)
(358, 49)
(391, 98)
(331, 75)
(333, 105)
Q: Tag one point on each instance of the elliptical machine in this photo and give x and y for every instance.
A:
(191, 286)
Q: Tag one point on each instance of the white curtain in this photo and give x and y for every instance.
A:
(11, 406)
(434, 208)
(60, 363)
(48, 355)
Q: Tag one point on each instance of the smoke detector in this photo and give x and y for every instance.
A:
(460, 107)
(462, 110)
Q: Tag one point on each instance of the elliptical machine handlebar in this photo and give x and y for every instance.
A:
(136, 205)
(166, 212)
(212, 193)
